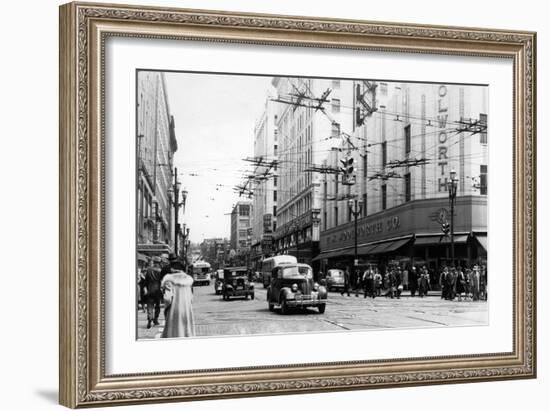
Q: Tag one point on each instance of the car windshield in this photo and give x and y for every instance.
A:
(289, 272)
(230, 274)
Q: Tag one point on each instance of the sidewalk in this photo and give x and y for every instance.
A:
(154, 332)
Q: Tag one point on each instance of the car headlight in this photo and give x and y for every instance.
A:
(316, 286)
(294, 287)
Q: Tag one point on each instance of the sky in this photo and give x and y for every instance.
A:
(214, 123)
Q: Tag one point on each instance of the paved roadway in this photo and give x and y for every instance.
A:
(213, 316)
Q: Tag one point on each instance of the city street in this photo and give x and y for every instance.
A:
(213, 316)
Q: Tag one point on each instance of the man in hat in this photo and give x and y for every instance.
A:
(153, 294)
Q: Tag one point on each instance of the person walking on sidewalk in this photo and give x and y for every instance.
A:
(368, 282)
(424, 281)
(153, 293)
(346, 282)
(178, 299)
(413, 280)
(377, 283)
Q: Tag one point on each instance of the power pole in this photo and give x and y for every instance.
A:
(176, 209)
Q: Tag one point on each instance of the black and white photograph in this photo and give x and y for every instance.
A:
(278, 204)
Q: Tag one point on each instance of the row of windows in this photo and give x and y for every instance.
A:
(384, 195)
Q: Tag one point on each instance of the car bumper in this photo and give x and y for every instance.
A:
(240, 292)
(305, 302)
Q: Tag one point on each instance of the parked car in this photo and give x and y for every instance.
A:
(236, 283)
(218, 282)
(335, 279)
(292, 286)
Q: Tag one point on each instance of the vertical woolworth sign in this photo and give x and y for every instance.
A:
(442, 156)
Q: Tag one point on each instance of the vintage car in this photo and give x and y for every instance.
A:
(335, 279)
(236, 283)
(218, 281)
(292, 286)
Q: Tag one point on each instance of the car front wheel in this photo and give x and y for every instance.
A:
(284, 306)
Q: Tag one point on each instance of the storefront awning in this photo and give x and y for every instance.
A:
(389, 246)
(482, 240)
(332, 254)
(154, 249)
(440, 239)
(141, 257)
(366, 249)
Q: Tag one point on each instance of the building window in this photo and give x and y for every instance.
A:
(483, 179)
(483, 124)
(335, 83)
(325, 220)
(274, 196)
(365, 164)
(407, 139)
(364, 205)
(384, 154)
(384, 191)
(408, 187)
(274, 211)
(335, 129)
(335, 105)
(384, 89)
(274, 181)
(335, 216)
(275, 147)
(349, 214)
(244, 211)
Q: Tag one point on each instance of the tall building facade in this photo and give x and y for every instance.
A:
(241, 230)
(214, 251)
(306, 131)
(264, 221)
(403, 154)
(156, 145)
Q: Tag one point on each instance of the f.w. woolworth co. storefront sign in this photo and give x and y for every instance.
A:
(417, 217)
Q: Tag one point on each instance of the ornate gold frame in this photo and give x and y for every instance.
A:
(83, 30)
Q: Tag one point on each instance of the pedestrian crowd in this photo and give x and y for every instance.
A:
(455, 283)
(164, 282)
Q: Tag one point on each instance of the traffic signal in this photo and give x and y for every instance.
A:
(445, 227)
(347, 170)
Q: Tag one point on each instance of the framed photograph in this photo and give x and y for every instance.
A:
(262, 205)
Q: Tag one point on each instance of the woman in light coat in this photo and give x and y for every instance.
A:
(178, 298)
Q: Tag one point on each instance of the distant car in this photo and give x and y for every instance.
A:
(236, 283)
(218, 282)
(292, 286)
(335, 279)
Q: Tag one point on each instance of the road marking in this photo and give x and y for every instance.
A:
(423, 319)
(334, 323)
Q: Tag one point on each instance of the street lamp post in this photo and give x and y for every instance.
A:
(356, 208)
(175, 190)
(452, 185)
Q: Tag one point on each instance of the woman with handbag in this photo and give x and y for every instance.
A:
(178, 298)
